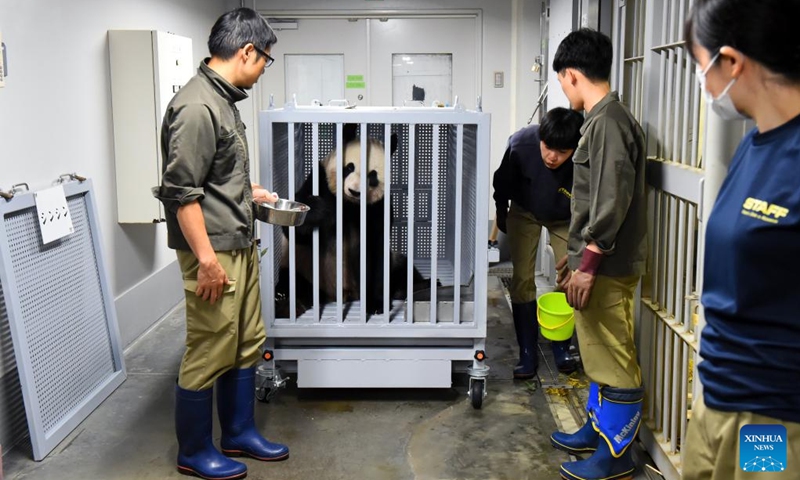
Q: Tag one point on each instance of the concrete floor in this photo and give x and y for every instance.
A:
(332, 434)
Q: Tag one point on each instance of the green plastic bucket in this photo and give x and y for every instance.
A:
(556, 318)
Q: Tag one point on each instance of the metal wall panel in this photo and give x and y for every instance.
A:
(61, 316)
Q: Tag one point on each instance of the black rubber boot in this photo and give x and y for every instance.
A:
(527, 334)
(565, 363)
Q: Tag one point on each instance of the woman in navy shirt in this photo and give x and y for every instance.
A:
(748, 61)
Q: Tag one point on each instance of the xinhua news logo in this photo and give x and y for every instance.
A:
(762, 448)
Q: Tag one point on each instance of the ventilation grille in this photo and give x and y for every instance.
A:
(61, 314)
(68, 341)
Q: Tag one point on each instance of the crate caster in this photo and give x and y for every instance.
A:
(268, 379)
(476, 393)
(478, 377)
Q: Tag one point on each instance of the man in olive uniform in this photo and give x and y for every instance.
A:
(207, 195)
(607, 253)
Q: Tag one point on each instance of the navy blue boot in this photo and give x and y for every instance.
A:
(619, 416)
(565, 362)
(197, 455)
(585, 439)
(235, 404)
(527, 334)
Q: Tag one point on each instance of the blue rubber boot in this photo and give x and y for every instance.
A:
(527, 334)
(565, 362)
(197, 455)
(619, 417)
(235, 404)
(585, 440)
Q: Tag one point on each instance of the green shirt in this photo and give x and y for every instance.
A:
(608, 194)
(206, 159)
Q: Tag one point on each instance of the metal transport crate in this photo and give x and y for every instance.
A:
(436, 185)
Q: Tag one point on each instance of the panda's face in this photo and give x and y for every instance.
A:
(351, 172)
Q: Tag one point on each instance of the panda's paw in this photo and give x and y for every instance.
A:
(375, 307)
(283, 308)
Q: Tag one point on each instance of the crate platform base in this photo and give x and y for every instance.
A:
(373, 368)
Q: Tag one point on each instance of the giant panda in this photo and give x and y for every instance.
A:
(323, 216)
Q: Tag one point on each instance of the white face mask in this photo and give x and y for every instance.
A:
(722, 105)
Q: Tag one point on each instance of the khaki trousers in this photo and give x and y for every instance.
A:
(524, 231)
(712, 446)
(229, 333)
(605, 333)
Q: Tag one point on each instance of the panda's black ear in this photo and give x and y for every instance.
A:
(393, 146)
(349, 133)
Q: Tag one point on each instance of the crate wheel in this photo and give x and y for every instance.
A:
(476, 393)
(263, 394)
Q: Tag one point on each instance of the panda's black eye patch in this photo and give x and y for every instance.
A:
(349, 168)
(373, 178)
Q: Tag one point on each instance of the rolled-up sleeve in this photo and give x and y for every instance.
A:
(190, 146)
(612, 182)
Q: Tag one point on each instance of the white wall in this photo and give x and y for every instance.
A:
(509, 45)
(55, 111)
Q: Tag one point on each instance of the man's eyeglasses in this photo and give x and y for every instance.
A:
(270, 60)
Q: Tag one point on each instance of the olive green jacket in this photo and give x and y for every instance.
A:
(609, 203)
(206, 159)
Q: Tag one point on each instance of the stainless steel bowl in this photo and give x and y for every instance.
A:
(283, 212)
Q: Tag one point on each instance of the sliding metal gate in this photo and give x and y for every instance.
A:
(688, 152)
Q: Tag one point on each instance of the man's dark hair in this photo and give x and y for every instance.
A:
(588, 51)
(560, 129)
(237, 28)
(765, 31)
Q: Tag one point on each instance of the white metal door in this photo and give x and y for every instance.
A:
(318, 36)
(367, 46)
(454, 36)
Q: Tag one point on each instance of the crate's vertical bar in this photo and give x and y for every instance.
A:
(412, 160)
(482, 163)
(339, 214)
(292, 246)
(315, 237)
(459, 223)
(387, 218)
(266, 173)
(362, 282)
(434, 220)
